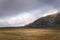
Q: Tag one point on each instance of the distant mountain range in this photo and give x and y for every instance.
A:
(46, 22)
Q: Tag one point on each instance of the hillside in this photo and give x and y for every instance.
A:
(55, 18)
(47, 22)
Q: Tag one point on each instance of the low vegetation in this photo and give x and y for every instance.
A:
(29, 34)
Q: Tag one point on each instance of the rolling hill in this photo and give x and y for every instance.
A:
(49, 21)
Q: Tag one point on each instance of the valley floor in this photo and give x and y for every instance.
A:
(29, 34)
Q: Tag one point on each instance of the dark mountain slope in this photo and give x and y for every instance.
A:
(55, 18)
(46, 22)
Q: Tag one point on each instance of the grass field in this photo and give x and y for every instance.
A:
(29, 34)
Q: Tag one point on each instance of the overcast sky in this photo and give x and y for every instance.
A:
(22, 12)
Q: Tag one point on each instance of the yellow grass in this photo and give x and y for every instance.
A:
(29, 34)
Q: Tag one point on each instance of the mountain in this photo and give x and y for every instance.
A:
(55, 18)
(49, 21)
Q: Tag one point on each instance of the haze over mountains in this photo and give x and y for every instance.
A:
(48, 21)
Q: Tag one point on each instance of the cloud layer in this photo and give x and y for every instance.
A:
(22, 12)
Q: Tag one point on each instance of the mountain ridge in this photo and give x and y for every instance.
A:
(47, 21)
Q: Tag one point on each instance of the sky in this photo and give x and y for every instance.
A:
(22, 12)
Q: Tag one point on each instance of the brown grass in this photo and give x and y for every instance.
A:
(29, 34)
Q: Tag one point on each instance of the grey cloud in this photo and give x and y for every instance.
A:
(54, 3)
(10, 8)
